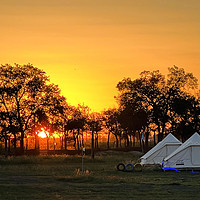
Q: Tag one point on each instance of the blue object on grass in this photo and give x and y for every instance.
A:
(169, 168)
(194, 171)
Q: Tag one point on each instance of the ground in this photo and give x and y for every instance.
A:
(61, 177)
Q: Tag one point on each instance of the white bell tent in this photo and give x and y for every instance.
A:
(187, 156)
(161, 150)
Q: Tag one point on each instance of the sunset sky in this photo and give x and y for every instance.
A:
(88, 46)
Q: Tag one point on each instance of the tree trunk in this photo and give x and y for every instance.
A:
(130, 140)
(82, 139)
(15, 142)
(127, 141)
(61, 142)
(54, 145)
(146, 140)
(74, 137)
(143, 146)
(65, 142)
(22, 142)
(77, 139)
(154, 138)
(96, 140)
(160, 137)
(22, 138)
(36, 142)
(141, 142)
(133, 139)
(26, 143)
(108, 142)
(92, 145)
(47, 144)
(6, 146)
(66, 134)
(117, 141)
(160, 134)
(163, 130)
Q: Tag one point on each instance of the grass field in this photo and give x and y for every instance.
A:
(57, 177)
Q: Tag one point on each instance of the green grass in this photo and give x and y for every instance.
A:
(57, 177)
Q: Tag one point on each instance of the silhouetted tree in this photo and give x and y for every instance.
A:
(95, 124)
(111, 118)
(77, 124)
(24, 90)
(167, 105)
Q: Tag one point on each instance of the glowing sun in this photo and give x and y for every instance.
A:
(43, 133)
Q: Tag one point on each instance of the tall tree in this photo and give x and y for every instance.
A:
(142, 95)
(168, 103)
(24, 90)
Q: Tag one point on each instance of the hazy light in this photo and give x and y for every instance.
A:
(43, 133)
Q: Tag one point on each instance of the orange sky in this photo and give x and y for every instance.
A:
(87, 46)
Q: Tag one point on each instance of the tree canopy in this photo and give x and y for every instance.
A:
(166, 104)
(26, 99)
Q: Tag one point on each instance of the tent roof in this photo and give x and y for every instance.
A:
(194, 139)
(169, 139)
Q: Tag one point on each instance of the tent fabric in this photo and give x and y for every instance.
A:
(161, 150)
(187, 156)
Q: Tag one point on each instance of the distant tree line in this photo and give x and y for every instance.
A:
(149, 104)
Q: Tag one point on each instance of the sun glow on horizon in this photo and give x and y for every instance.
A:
(43, 133)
